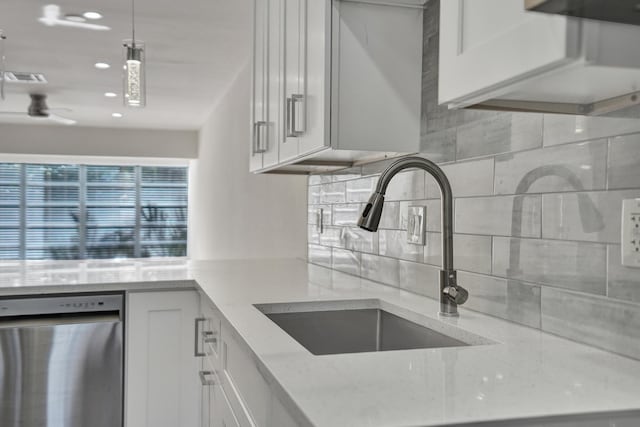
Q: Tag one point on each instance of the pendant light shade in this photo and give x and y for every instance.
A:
(133, 76)
(134, 80)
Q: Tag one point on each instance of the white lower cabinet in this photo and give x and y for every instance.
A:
(233, 389)
(161, 372)
(215, 409)
(185, 368)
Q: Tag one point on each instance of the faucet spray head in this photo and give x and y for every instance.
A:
(370, 218)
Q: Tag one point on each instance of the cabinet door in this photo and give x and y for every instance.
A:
(259, 76)
(161, 372)
(317, 21)
(294, 77)
(275, 101)
(487, 47)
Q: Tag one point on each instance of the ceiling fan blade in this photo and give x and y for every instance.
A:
(58, 110)
(64, 23)
(61, 120)
(52, 16)
(13, 113)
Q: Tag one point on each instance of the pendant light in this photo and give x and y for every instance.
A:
(134, 90)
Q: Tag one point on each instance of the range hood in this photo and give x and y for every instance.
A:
(621, 11)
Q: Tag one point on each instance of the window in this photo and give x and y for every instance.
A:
(87, 212)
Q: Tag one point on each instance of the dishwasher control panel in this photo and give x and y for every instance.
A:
(61, 305)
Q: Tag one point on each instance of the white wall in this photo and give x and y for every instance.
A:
(233, 213)
(59, 140)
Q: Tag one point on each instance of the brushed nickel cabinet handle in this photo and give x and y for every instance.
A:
(196, 347)
(260, 140)
(210, 337)
(294, 104)
(207, 381)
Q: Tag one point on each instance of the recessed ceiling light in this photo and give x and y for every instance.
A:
(116, 115)
(92, 15)
(101, 65)
(110, 94)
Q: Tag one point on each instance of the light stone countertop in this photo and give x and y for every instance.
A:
(527, 373)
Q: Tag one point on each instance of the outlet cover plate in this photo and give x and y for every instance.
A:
(320, 220)
(416, 225)
(630, 239)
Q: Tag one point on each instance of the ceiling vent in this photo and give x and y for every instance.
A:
(20, 77)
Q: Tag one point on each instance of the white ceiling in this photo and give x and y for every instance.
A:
(194, 50)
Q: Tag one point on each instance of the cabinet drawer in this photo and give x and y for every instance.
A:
(243, 384)
(216, 410)
(211, 333)
(225, 416)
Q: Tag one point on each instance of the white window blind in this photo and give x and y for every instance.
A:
(88, 212)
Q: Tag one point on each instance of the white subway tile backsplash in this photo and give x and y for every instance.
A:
(346, 214)
(420, 278)
(439, 146)
(360, 190)
(623, 282)
(509, 299)
(605, 323)
(313, 235)
(331, 236)
(381, 269)
(474, 178)
(579, 266)
(333, 193)
(313, 195)
(624, 162)
(346, 261)
(390, 218)
(408, 185)
(588, 216)
(499, 134)
(356, 239)
(501, 216)
(393, 243)
(320, 255)
(471, 253)
(561, 129)
(319, 179)
(573, 167)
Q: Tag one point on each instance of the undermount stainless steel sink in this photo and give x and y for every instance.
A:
(356, 328)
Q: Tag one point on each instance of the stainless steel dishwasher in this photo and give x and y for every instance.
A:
(61, 361)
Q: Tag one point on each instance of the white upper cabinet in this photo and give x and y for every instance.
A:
(266, 84)
(294, 72)
(497, 54)
(333, 82)
(259, 76)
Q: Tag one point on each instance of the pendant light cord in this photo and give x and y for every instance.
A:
(2, 64)
(133, 23)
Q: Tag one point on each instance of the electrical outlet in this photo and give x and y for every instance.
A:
(631, 233)
(416, 224)
(320, 220)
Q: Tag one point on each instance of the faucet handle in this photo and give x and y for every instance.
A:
(456, 294)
